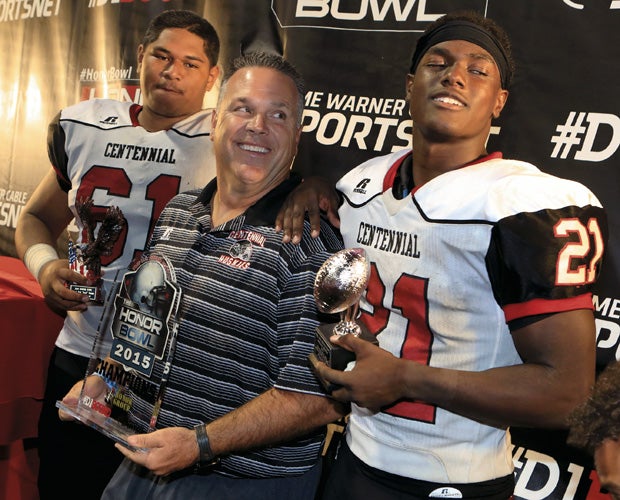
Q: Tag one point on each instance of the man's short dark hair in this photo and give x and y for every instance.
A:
(190, 21)
(273, 61)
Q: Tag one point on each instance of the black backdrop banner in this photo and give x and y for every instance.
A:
(562, 114)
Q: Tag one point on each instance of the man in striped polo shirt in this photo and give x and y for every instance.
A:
(240, 396)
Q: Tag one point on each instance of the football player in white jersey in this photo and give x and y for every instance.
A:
(479, 293)
(134, 157)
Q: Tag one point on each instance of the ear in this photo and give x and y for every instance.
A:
(408, 85)
(502, 97)
(298, 134)
(214, 72)
(213, 124)
(140, 55)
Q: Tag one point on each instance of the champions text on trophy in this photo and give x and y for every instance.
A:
(338, 287)
(128, 386)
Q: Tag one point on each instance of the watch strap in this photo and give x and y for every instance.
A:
(206, 457)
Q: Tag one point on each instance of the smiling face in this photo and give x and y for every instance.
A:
(455, 93)
(255, 130)
(175, 73)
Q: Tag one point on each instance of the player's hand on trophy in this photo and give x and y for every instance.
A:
(167, 450)
(313, 196)
(53, 278)
(95, 388)
(376, 379)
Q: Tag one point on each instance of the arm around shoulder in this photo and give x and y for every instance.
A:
(314, 196)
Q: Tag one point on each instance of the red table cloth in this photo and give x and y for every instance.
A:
(28, 330)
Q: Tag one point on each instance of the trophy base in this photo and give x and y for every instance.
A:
(100, 422)
(334, 356)
(95, 294)
(328, 386)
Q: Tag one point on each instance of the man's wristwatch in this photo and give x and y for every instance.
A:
(206, 458)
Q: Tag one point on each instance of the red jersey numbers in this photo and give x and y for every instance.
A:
(577, 260)
(114, 182)
(409, 296)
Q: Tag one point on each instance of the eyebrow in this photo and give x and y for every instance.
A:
(158, 48)
(474, 55)
(275, 104)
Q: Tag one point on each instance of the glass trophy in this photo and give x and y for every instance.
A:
(338, 287)
(141, 315)
(86, 257)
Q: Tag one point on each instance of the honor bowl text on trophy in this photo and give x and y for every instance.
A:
(140, 313)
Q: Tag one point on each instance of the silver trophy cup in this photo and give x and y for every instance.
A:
(338, 287)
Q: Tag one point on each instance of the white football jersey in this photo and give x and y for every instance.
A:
(99, 151)
(451, 264)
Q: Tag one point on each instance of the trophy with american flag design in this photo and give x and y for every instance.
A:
(85, 258)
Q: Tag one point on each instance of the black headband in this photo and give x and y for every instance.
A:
(470, 32)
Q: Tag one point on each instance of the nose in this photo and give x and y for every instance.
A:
(454, 75)
(173, 69)
(257, 124)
